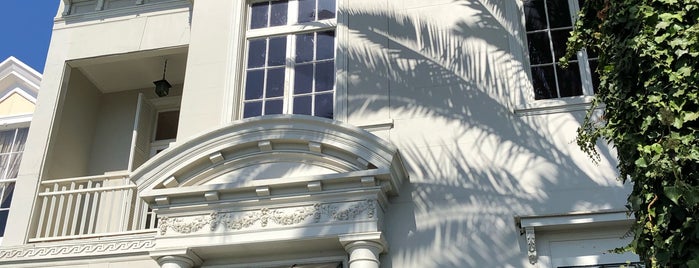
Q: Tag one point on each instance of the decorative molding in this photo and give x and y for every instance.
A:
(71, 250)
(531, 244)
(282, 216)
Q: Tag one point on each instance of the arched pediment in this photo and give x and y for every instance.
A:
(256, 156)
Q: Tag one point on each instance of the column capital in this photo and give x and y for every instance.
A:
(176, 258)
(370, 239)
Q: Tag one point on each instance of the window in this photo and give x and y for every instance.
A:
(165, 130)
(290, 67)
(11, 148)
(548, 26)
(155, 127)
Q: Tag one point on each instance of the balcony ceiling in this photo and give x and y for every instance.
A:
(128, 72)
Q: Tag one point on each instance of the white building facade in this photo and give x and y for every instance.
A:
(313, 133)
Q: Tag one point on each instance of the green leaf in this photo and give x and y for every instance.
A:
(672, 193)
(641, 162)
(690, 116)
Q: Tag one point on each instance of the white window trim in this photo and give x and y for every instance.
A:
(165, 104)
(531, 225)
(523, 99)
(238, 59)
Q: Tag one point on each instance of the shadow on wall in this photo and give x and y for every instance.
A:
(444, 70)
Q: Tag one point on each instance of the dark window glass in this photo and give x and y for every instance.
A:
(326, 9)
(544, 82)
(252, 109)
(275, 82)
(324, 105)
(5, 158)
(326, 45)
(259, 15)
(167, 125)
(539, 48)
(7, 195)
(307, 10)
(21, 139)
(569, 80)
(279, 11)
(256, 53)
(3, 221)
(304, 47)
(560, 37)
(303, 78)
(274, 106)
(277, 51)
(302, 105)
(594, 74)
(559, 14)
(535, 16)
(14, 164)
(254, 84)
(325, 76)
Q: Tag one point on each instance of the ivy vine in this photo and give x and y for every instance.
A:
(647, 107)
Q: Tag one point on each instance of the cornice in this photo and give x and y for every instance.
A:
(320, 141)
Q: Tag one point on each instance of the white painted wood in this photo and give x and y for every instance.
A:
(70, 214)
(96, 197)
(59, 213)
(77, 216)
(85, 209)
(50, 222)
(42, 216)
(142, 131)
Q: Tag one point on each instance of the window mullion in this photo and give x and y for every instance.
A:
(289, 73)
(264, 77)
(292, 19)
(583, 60)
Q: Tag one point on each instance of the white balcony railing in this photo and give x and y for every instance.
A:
(90, 206)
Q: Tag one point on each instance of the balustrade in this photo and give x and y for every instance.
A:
(90, 206)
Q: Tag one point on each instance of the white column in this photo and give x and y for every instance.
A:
(364, 254)
(175, 262)
(364, 249)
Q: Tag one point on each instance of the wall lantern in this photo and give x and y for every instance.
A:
(162, 86)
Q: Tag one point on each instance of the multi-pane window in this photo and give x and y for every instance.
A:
(11, 148)
(290, 66)
(548, 26)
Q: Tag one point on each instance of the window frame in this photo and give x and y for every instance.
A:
(292, 29)
(525, 102)
(161, 105)
(5, 182)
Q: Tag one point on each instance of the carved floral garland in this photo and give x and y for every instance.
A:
(264, 216)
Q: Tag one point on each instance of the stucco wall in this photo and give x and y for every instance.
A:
(16, 104)
(75, 126)
(444, 72)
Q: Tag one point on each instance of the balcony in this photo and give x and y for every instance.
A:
(92, 206)
(109, 123)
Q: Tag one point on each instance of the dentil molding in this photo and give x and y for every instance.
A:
(233, 221)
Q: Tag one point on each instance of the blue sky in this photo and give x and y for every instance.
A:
(26, 30)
